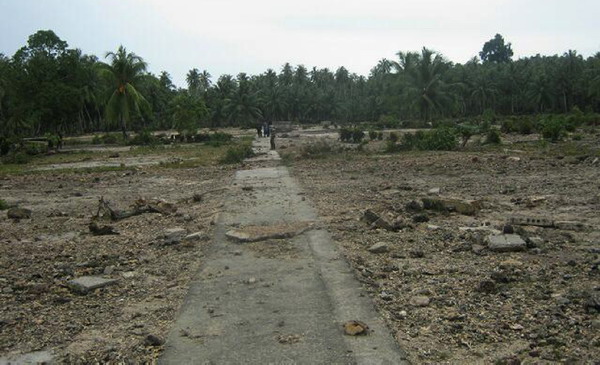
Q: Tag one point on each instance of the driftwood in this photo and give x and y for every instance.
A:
(140, 206)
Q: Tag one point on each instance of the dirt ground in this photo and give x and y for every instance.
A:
(446, 297)
(38, 256)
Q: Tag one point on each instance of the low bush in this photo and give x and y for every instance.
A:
(237, 154)
(16, 158)
(439, 139)
(552, 128)
(351, 135)
(109, 138)
(3, 204)
(493, 136)
(144, 138)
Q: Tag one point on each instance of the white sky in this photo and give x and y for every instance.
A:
(232, 36)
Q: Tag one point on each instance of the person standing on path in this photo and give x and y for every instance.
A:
(272, 132)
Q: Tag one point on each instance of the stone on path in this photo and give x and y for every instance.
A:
(261, 233)
(85, 284)
(356, 328)
(506, 243)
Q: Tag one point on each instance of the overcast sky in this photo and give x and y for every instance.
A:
(232, 36)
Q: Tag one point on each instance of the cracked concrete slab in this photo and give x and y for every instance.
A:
(244, 307)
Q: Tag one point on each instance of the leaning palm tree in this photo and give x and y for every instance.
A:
(125, 72)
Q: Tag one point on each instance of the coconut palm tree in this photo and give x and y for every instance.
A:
(124, 73)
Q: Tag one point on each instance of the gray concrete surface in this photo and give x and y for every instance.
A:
(245, 307)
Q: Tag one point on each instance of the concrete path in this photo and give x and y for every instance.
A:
(276, 301)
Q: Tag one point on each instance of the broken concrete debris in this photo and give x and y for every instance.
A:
(86, 284)
(506, 243)
(261, 233)
(466, 207)
(548, 223)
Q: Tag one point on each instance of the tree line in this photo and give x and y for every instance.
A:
(47, 87)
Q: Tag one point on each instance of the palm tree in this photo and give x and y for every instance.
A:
(125, 72)
(193, 81)
(426, 88)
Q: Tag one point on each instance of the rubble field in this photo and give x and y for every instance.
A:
(487, 256)
(90, 290)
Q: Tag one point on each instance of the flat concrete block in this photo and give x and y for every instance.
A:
(506, 243)
(85, 284)
(261, 233)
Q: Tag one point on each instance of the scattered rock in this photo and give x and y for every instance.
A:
(355, 328)
(85, 284)
(508, 229)
(153, 340)
(434, 191)
(465, 207)
(198, 236)
(101, 230)
(173, 236)
(379, 247)
(433, 227)
(487, 287)
(477, 249)
(18, 213)
(413, 206)
(420, 301)
(420, 218)
(416, 254)
(506, 243)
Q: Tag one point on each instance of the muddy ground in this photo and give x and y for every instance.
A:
(446, 297)
(38, 256)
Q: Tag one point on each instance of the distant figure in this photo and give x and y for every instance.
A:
(272, 132)
(259, 131)
(265, 129)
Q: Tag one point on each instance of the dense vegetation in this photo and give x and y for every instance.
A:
(48, 88)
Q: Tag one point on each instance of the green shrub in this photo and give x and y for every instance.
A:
(35, 148)
(109, 138)
(508, 126)
(380, 136)
(357, 135)
(17, 158)
(354, 135)
(439, 139)
(237, 154)
(3, 204)
(393, 137)
(372, 135)
(493, 136)
(552, 128)
(577, 137)
(144, 138)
